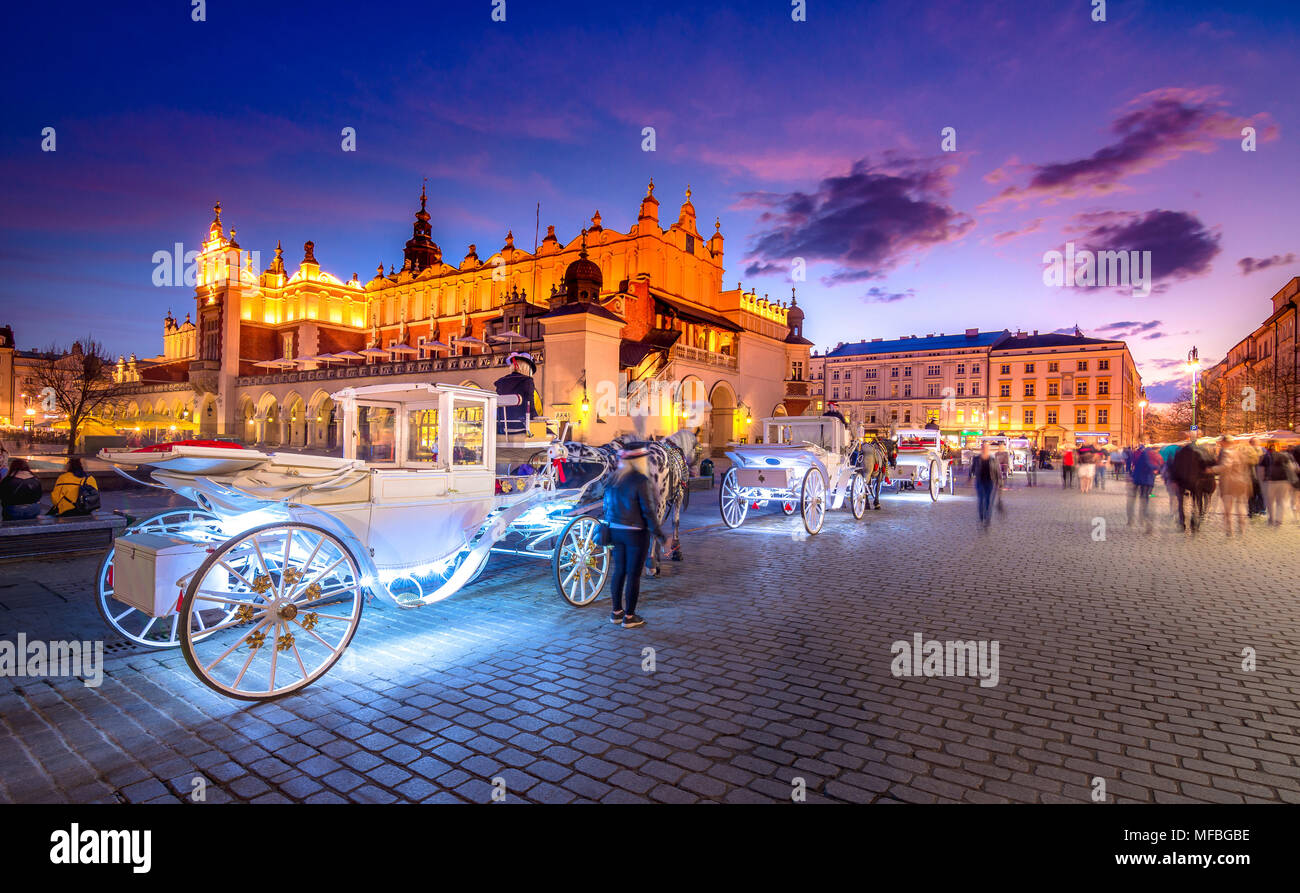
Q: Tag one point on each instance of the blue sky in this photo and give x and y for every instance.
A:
(816, 139)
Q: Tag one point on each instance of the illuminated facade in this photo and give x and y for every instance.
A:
(1053, 389)
(1257, 384)
(632, 331)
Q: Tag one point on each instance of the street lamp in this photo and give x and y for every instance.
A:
(1142, 419)
(1193, 364)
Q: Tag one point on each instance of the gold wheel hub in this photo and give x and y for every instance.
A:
(288, 611)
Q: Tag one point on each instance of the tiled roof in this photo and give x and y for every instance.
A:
(912, 345)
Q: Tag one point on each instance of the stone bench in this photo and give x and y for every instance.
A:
(51, 535)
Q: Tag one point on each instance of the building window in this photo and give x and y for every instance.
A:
(1083, 366)
(835, 393)
(893, 415)
(1053, 366)
(1103, 386)
(893, 373)
(1004, 390)
(871, 390)
(961, 389)
(961, 368)
(1081, 388)
(1051, 417)
(835, 376)
(1004, 416)
(932, 390)
(690, 244)
(1029, 368)
(1081, 416)
(931, 370)
(1103, 365)
(974, 388)
(869, 374)
(1053, 389)
(975, 369)
(796, 370)
(907, 390)
(1006, 368)
(288, 346)
(907, 372)
(1029, 389)
(907, 415)
(1029, 416)
(1103, 416)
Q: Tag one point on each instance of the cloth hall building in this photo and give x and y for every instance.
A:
(631, 332)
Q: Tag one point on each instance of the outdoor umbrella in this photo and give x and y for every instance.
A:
(509, 337)
(402, 348)
(346, 355)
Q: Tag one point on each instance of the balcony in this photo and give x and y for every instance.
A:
(702, 357)
(368, 370)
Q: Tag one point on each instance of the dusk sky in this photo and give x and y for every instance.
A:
(819, 140)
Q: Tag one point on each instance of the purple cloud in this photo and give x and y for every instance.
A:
(1152, 130)
(865, 222)
(1131, 329)
(1181, 245)
(1255, 264)
(877, 295)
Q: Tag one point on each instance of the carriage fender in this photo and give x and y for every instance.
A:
(307, 514)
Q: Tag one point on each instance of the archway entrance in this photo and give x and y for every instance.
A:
(722, 417)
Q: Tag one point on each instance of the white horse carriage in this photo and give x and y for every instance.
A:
(921, 463)
(262, 584)
(802, 464)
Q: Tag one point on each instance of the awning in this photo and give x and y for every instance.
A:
(633, 353)
(693, 314)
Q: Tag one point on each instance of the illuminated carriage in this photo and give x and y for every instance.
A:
(262, 585)
(802, 465)
(921, 463)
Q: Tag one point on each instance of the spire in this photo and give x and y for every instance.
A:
(649, 204)
(421, 250)
(216, 230)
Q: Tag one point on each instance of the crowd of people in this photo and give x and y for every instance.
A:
(1252, 478)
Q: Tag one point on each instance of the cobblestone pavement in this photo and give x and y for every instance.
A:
(1119, 659)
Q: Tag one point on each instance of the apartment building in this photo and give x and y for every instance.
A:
(1062, 390)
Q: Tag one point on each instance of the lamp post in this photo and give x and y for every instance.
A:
(1193, 364)
(1142, 420)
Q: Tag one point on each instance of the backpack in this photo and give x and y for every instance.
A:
(87, 499)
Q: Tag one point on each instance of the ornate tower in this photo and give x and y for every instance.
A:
(421, 251)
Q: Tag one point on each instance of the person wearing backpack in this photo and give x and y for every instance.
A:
(75, 492)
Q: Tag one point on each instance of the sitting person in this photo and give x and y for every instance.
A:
(67, 491)
(20, 492)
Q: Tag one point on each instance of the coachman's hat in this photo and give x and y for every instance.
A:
(523, 357)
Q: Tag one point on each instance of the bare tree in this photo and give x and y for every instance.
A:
(76, 382)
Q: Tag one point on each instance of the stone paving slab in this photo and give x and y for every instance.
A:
(1119, 659)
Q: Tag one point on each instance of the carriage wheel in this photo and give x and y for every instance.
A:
(858, 496)
(952, 481)
(580, 566)
(733, 505)
(132, 623)
(296, 592)
(812, 502)
(935, 483)
(787, 507)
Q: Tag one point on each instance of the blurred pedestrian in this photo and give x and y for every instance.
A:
(1067, 467)
(1087, 468)
(986, 472)
(1003, 456)
(1031, 467)
(1253, 454)
(1279, 474)
(632, 519)
(1145, 462)
(1234, 473)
